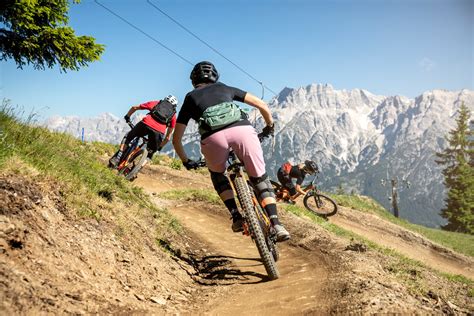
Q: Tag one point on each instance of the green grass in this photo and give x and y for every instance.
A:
(459, 242)
(76, 166)
(339, 231)
(201, 195)
(176, 164)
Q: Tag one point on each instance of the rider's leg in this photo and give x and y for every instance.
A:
(224, 189)
(154, 140)
(138, 130)
(216, 151)
(287, 184)
(247, 147)
(266, 196)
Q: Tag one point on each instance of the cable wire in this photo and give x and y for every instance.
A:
(208, 45)
(144, 33)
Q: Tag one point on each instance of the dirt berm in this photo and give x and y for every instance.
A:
(53, 261)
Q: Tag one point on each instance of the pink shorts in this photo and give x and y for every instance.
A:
(243, 141)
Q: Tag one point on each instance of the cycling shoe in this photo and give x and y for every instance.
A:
(281, 233)
(237, 225)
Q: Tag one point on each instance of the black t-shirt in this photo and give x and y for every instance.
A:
(297, 173)
(198, 100)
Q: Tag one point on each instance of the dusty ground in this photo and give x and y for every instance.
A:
(53, 262)
(319, 274)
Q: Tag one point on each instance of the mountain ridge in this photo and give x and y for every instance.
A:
(358, 138)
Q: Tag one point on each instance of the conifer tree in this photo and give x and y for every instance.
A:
(36, 32)
(458, 159)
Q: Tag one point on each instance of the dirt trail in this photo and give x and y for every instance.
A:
(317, 275)
(370, 226)
(53, 262)
(303, 276)
(299, 289)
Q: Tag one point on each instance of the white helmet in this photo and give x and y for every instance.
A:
(172, 99)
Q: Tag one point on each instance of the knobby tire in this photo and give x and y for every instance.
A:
(245, 198)
(262, 218)
(138, 160)
(320, 204)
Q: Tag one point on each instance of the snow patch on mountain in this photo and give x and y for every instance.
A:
(357, 138)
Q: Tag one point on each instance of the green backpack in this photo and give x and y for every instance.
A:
(219, 116)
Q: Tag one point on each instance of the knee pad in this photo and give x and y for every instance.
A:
(263, 186)
(220, 182)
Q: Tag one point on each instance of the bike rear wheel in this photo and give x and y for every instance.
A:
(320, 204)
(245, 198)
(265, 225)
(135, 164)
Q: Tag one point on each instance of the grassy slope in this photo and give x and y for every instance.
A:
(462, 243)
(84, 179)
(87, 186)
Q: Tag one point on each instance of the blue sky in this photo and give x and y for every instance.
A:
(386, 47)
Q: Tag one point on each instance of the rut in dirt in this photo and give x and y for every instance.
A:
(237, 263)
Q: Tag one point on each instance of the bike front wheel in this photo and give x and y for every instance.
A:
(320, 204)
(135, 164)
(245, 198)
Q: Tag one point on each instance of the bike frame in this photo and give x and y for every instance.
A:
(134, 147)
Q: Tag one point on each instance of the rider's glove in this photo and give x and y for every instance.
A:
(268, 130)
(127, 118)
(191, 164)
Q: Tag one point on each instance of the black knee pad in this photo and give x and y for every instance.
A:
(220, 182)
(263, 186)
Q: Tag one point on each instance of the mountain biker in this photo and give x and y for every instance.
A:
(234, 132)
(154, 124)
(287, 172)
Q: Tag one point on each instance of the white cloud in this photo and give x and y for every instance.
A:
(427, 64)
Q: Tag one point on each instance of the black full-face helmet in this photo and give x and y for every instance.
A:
(310, 167)
(204, 72)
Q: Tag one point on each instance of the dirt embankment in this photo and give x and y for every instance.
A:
(53, 261)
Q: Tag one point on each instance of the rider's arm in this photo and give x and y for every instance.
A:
(299, 189)
(178, 145)
(258, 103)
(167, 138)
(132, 110)
(299, 182)
(169, 131)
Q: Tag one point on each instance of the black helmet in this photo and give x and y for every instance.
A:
(310, 167)
(204, 72)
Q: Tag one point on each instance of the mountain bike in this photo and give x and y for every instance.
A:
(133, 158)
(256, 221)
(316, 202)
